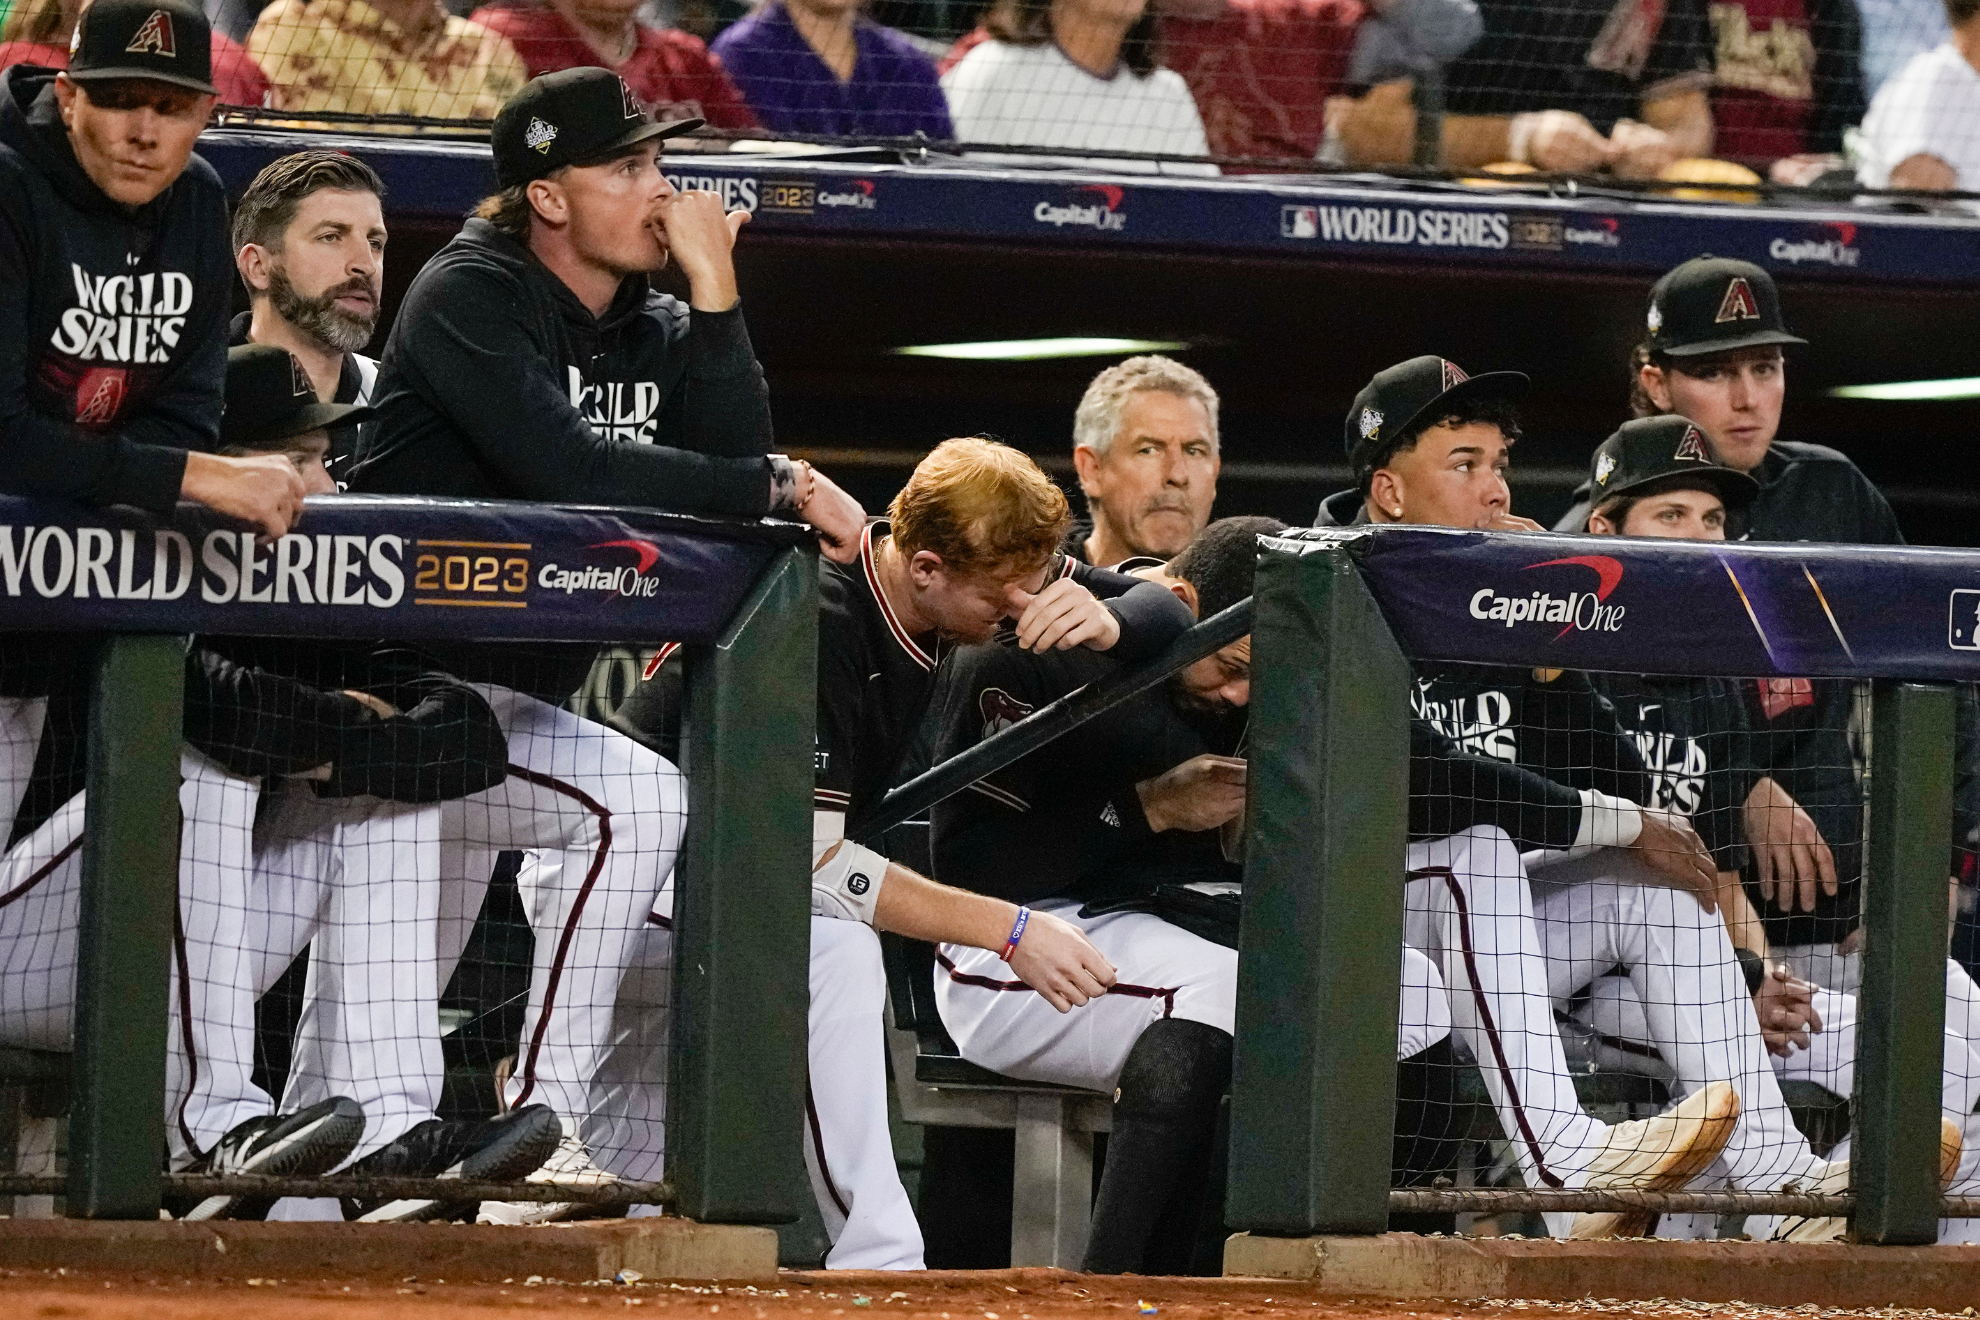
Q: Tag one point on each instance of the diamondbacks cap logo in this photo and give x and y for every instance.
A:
(539, 135)
(628, 101)
(1655, 319)
(1371, 423)
(1738, 304)
(1691, 449)
(299, 382)
(154, 37)
(1605, 467)
(1453, 375)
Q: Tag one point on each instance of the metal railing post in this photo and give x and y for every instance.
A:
(742, 913)
(1901, 1005)
(130, 887)
(1314, 1080)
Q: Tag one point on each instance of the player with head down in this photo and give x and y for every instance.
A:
(1136, 795)
(1639, 888)
(968, 553)
(1656, 477)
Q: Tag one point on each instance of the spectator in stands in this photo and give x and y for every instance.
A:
(309, 242)
(113, 362)
(1787, 79)
(1076, 73)
(38, 32)
(822, 66)
(1262, 70)
(383, 57)
(1923, 130)
(1145, 448)
(1893, 32)
(1560, 86)
(671, 72)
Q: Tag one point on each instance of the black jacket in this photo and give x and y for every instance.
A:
(1693, 736)
(113, 351)
(498, 383)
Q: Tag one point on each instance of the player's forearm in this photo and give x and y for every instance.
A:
(913, 905)
(1380, 129)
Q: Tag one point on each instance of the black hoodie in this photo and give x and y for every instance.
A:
(498, 383)
(113, 348)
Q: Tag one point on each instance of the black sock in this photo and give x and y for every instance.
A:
(1165, 1110)
(1426, 1144)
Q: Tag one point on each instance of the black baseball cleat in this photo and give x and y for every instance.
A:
(499, 1149)
(299, 1145)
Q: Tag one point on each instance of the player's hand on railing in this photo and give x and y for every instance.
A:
(1671, 847)
(1200, 794)
(836, 516)
(701, 236)
(1785, 1006)
(1057, 960)
(1789, 854)
(1511, 522)
(1065, 615)
(262, 489)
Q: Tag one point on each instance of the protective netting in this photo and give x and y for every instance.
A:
(1838, 92)
(424, 920)
(1669, 1004)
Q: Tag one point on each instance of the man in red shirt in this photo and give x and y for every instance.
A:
(1786, 78)
(671, 72)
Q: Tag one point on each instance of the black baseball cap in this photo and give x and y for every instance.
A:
(570, 116)
(164, 40)
(1411, 392)
(1712, 304)
(270, 399)
(1654, 454)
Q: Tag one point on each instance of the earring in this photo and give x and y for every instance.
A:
(1396, 512)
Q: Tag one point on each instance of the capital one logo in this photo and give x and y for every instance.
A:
(858, 196)
(621, 582)
(1584, 610)
(1094, 206)
(1836, 246)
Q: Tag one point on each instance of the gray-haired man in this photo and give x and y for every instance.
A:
(1145, 447)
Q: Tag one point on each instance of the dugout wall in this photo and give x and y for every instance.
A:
(1340, 614)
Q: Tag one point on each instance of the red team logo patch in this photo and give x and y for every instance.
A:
(154, 37)
(1000, 710)
(1738, 304)
(1778, 696)
(99, 396)
(1453, 375)
(1691, 449)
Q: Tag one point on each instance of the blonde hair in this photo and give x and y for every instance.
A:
(1098, 418)
(981, 506)
(38, 21)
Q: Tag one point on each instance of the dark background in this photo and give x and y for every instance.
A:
(1287, 343)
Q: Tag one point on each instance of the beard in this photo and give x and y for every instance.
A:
(319, 317)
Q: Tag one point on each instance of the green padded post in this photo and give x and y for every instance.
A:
(1314, 1081)
(130, 886)
(1901, 1008)
(742, 909)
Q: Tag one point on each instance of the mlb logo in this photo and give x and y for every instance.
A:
(1299, 222)
(1963, 629)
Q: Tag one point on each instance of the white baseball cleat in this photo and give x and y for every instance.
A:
(1659, 1154)
(569, 1163)
(1835, 1180)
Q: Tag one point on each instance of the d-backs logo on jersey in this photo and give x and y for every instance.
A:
(617, 409)
(115, 343)
(1000, 710)
(1482, 723)
(1677, 765)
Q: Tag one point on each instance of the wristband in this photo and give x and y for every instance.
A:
(1607, 821)
(1755, 968)
(1017, 933)
(810, 485)
(1519, 138)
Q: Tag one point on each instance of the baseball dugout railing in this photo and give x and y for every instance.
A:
(741, 598)
(1341, 618)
